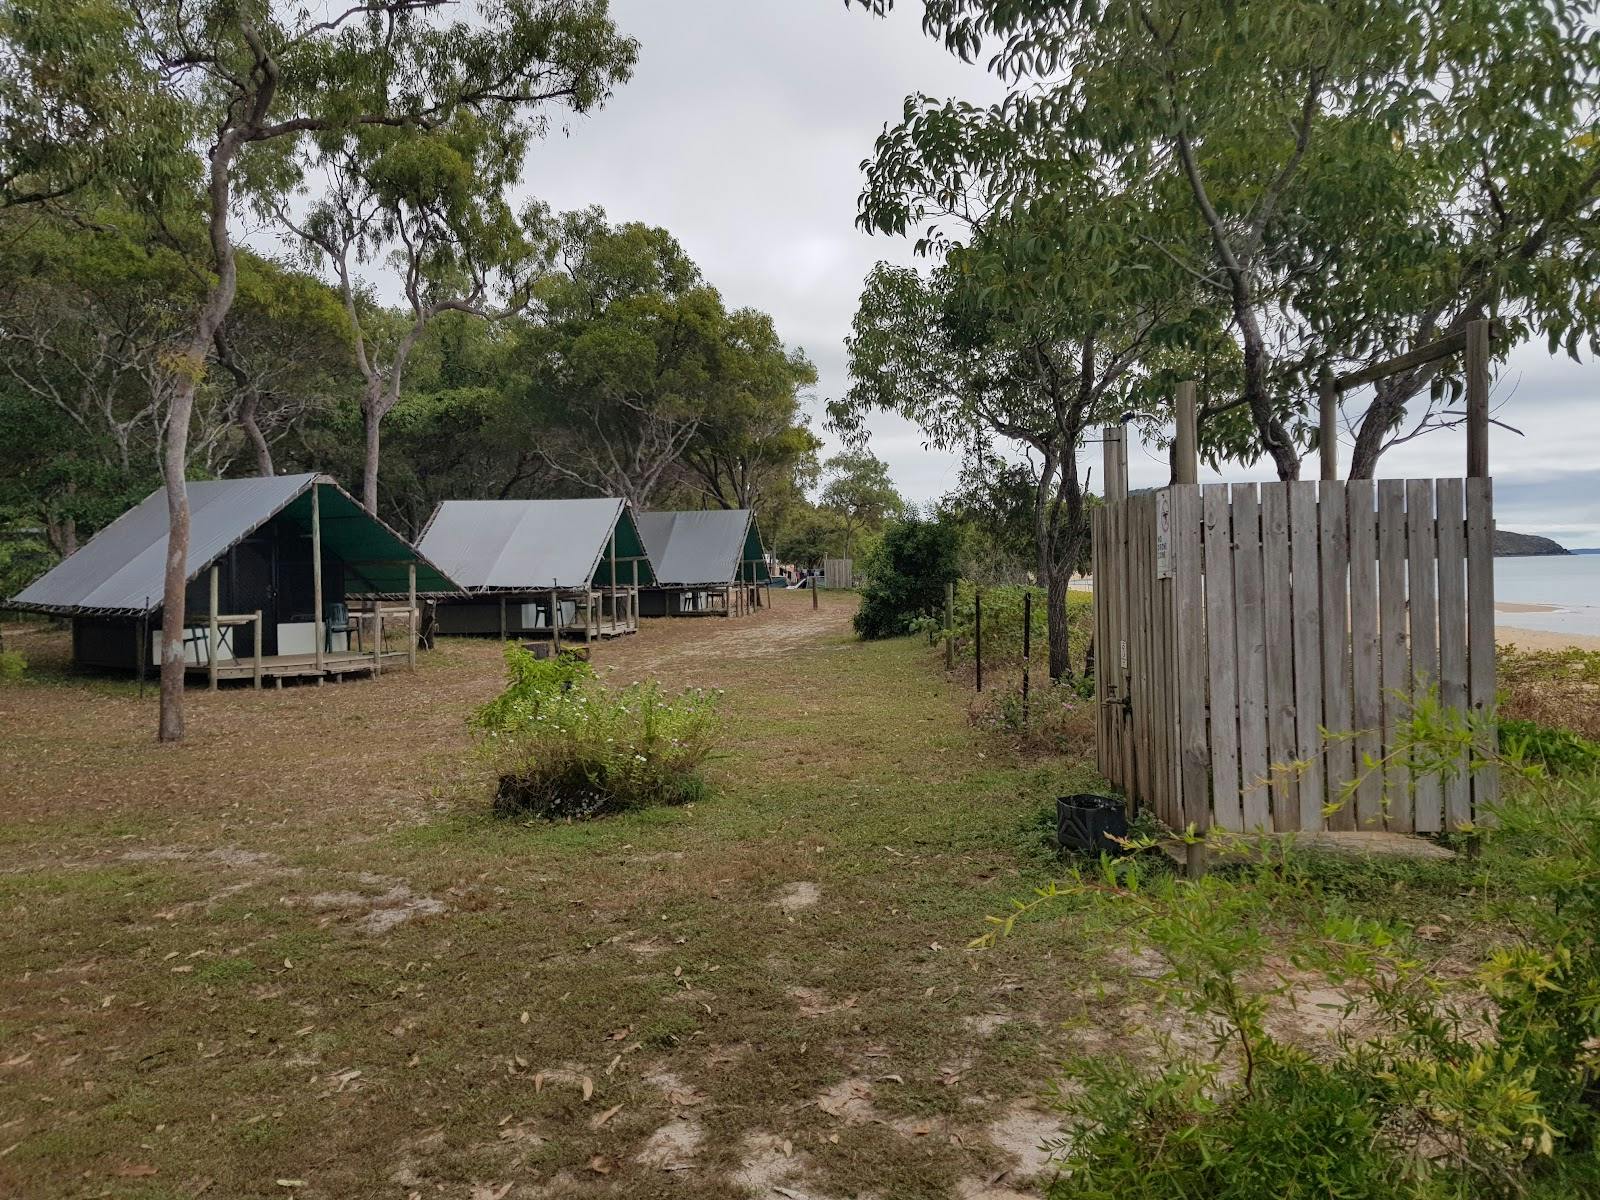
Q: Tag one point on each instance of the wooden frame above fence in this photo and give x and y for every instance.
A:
(1237, 628)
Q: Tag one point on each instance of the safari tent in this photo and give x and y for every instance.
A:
(708, 562)
(288, 578)
(562, 569)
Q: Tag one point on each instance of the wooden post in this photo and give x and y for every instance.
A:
(416, 619)
(257, 673)
(1027, 648)
(377, 638)
(633, 600)
(1116, 463)
(614, 579)
(813, 591)
(555, 621)
(1328, 419)
(950, 627)
(1186, 455)
(502, 618)
(1478, 399)
(588, 615)
(144, 645)
(213, 642)
(977, 634)
(316, 579)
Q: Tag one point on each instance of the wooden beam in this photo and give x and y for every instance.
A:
(316, 577)
(1478, 399)
(257, 672)
(1186, 456)
(213, 642)
(1444, 347)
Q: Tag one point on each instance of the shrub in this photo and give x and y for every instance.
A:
(12, 666)
(1002, 623)
(1556, 750)
(563, 745)
(906, 575)
(1483, 1085)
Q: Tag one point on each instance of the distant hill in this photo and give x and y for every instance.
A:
(1517, 545)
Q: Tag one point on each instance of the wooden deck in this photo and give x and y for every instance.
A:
(278, 667)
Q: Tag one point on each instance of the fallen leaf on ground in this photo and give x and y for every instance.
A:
(135, 1171)
(588, 1087)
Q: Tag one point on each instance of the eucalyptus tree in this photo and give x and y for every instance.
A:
(229, 94)
(857, 490)
(753, 439)
(1040, 323)
(1287, 155)
(432, 204)
(631, 356)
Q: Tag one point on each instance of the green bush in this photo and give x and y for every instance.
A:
(563, 745)
(906, 574)
(1002, 623)
(12, 666)
(1556, 750)
(1451, 1084)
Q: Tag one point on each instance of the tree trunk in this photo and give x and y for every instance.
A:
(1274, 437)
(185, 377)
(1056, 581)
(371, 419)
(247, 418)
(1387, 407)
(176, 580)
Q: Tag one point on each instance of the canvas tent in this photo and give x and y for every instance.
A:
(710, 561)
(542, 568)
(274, 564)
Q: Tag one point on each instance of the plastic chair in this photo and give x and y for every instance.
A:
(339, 620)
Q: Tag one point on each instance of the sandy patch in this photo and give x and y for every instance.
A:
(1514, 606)
(378, 913)
(1028, 1136)
(797, 896)
(814, 1002)
(850, 1100)
(672, 1147)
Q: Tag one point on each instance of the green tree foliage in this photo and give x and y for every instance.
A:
(857, 492)
(1345, 181)
(641, 380)
(906, 575)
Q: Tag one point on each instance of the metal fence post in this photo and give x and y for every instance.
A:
(1027, 648)
(977, 633)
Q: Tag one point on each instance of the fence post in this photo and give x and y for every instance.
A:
(213, 641)
(813, 591)
(1186, 457)
(1328, 422)
(949, 626)
(1027, 649)
(1115, 448)
(977, 633)
(1478, 399)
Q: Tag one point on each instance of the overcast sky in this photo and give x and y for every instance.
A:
(742, 132)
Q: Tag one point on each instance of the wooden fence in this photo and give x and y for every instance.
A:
(1237, 627)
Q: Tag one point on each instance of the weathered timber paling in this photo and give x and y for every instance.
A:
(1259, 650)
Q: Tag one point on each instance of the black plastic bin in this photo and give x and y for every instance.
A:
(1086, 823)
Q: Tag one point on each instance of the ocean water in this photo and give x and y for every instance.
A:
(1569, 582)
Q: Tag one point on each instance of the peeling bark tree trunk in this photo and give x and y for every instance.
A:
(372, 421)
(184, 379)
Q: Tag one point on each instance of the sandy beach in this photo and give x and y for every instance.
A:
(1537, 639)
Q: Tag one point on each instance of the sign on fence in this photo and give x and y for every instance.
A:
(1255, 620)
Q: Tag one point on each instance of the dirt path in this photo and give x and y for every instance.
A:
(297, 948)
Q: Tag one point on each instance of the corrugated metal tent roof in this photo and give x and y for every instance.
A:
(525, 545)
(703, 547)
(121, 569)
